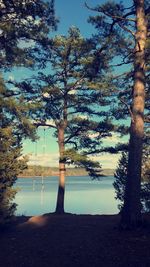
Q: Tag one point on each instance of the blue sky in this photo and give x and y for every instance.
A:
(45, 150)
(74, 13)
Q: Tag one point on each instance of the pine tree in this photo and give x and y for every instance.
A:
(121, 178)
(11, 164)
(73, 105)
(24, 27)
(129, 26)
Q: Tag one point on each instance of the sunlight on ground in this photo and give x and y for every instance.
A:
(38, 221)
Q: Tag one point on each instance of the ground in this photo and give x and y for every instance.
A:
(73, 241)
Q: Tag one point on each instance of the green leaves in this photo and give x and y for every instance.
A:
(73, 99)
(22, 25)
(121, 178)
(15, 125)
(10, 166)
(24, 29)
(93, 168)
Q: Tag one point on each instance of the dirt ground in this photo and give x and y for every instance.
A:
(73, 241)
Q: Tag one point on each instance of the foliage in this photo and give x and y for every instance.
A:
(83, 161)
(15, 125)
(11, 164)
(24, 25)
(129, 27)
(120, 178)
(120, 181)
(116, 24)
(10, 167)
(71, 101)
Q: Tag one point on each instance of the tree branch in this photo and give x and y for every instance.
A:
(74, 143)
(147, 119)
(126, 29)
(38, 124)
(121, 64)
(128, 107)
(100, 9)
(120, 75)
(77, 83)
(72, 136)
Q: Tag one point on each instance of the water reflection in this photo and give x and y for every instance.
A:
(83, 196)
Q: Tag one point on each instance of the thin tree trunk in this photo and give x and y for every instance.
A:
(62, 173)
(131, 215)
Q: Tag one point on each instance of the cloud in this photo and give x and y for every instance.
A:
(26, 44)
(109, 140)
(11, 78)
(48, 159)
(93, 135)
(51, 122)
(72, 92)
(113, 140)
(108, 161)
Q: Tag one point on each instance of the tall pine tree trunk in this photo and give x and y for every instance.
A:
(62, 173)
(131, 215)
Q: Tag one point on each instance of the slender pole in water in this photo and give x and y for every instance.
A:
(33, 184)
(42, 182)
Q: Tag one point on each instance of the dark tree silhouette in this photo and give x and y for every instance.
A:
(115, 21)
(23, 25)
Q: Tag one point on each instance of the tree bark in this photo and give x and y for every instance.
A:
(131, 214)
(62, 173)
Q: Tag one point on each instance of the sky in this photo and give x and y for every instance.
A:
(74, 13)
(45, 150)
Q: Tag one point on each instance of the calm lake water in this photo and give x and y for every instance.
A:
(82, 195)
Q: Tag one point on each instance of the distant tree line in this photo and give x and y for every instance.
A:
(37, 170)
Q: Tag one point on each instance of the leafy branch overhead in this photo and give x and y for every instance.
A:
(24, 25)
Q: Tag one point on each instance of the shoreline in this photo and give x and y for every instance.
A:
(45, 177)
(33, 171)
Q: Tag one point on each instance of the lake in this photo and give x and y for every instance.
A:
(82, 195)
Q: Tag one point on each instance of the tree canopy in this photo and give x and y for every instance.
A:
(73, 104)
(24, 26)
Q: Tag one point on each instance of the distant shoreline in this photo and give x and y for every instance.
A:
(104, 174)
(39, 171)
